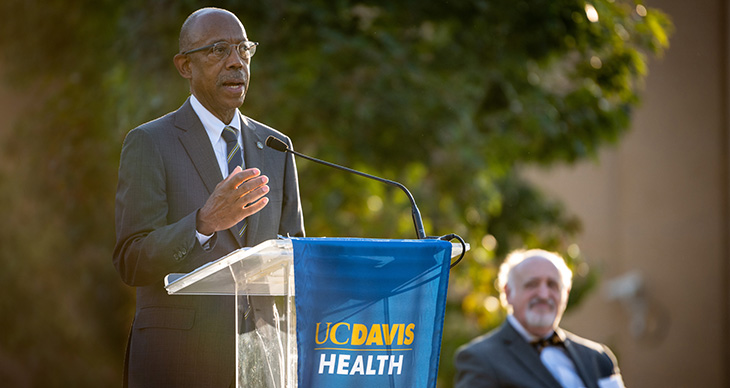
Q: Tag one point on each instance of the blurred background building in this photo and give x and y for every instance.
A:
(656, 217)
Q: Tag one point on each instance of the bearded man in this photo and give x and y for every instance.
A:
(529, 350)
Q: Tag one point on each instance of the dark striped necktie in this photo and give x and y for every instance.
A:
(234, 158)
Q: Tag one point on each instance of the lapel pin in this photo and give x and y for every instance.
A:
(258, 144)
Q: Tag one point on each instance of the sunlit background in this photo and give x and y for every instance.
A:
(595, 128)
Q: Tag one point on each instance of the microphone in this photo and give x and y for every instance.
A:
(279, 145)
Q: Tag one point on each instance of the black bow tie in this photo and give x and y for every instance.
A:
(553, 340)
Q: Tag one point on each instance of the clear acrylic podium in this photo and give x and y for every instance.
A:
(262, 280)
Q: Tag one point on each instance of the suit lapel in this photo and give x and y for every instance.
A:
(253, 147)
(197, 144)
(523, 353)
(589, 379)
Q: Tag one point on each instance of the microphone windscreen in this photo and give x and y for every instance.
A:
(276, 144)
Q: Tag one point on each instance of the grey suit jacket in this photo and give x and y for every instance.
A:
(503, 358)
(167, 171)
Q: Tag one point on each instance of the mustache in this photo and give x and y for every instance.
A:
(538, 300)
(233, 76)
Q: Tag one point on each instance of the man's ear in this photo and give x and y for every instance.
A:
(508, 294)
(182, 63)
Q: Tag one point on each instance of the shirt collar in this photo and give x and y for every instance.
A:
(522, 331)
(213, 126)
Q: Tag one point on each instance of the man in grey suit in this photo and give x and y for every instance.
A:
(529, 350)
(180, 205)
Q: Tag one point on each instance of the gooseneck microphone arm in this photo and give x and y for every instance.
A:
(279, 145)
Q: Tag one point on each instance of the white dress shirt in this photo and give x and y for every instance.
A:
(214, 128)
(555, 358)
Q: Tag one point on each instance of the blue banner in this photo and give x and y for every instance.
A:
(369, 312)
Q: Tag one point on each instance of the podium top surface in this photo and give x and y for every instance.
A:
(266, 269)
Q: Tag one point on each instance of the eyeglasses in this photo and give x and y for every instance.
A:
(220, 50)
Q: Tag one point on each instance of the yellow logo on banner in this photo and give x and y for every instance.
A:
(358, 337)
(358, 334)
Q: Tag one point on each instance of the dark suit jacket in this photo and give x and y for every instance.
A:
(503, 358)
(167, 171)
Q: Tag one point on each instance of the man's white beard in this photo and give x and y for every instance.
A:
(536, 319)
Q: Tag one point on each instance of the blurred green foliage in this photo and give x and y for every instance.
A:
(449, 98)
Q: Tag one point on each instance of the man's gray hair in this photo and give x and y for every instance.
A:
(516, 258)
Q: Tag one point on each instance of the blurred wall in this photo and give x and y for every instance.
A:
(655, 208)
